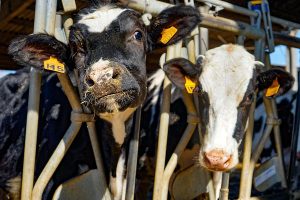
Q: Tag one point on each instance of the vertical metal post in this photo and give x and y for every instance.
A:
(224, 188)
(292, 62)
(163, 131)
(276, 130)
(33, 112)
(132, 158)
(245, 181)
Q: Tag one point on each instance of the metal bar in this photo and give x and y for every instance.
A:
(50, 16)
(98, 158)
(185, 138)
(245, 182)
(250, 13)
(163, 131)
(54, 160)
(293, 62)
(31, 134)
(235, 27)
(277, 137)
(69, 5)
(225, 185)
(33, 112)
(295, 137)
(260, 146)
(70, 92)
(208, 21)
(67, 23)
(174, 159)
(132, 158)
(287, 40)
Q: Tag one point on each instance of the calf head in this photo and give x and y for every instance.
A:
(227, 81)
(108, 46)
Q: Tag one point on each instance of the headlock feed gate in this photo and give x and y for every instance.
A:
(47, 20)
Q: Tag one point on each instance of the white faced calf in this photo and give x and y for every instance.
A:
(108, 46)
(227, 80)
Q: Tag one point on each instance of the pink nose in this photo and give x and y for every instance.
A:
(217, 160)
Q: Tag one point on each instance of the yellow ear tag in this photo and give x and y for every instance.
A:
(167, 34)
(189, 85)
(53, 64)
(273, 89)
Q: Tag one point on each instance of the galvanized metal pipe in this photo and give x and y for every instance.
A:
(70, 92)
(259, 148)
(288, 40)
(294, 62)
(235, 27)
(31, 134)
(50, 16)
(185, 138)
(250, 13)
(98, 159)
(245, 182)
(277, 136)
(163, 131)
(132, 158)
(54, 160)
(33, 112)
(208, 21)
(224, 193)
(174, 159)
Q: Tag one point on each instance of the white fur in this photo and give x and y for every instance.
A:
(101, 18)
(117, 183)
(226, 73)
(100, 71)
(117, 120)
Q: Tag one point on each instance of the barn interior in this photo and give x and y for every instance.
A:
(17, 18)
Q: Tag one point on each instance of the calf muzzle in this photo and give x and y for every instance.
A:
(217, 160)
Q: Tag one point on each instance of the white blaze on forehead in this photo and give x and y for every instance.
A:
(226, 73)
(98, 20)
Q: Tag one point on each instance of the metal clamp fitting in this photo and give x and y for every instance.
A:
(82, 117)
(193, 119)
(273, 121)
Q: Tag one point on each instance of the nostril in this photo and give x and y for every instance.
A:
(115, 74)
(90, 82)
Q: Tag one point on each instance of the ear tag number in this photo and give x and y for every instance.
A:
(189, 85)
(167, 34)
(273, 89)
(53, 64)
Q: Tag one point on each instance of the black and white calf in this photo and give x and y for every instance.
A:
(108, 45)
(227, 80)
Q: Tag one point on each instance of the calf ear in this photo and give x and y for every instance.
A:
(33, 50)
(178, 69)
(275, 81)
(181, 19)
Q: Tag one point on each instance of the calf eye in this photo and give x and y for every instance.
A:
(138, 35)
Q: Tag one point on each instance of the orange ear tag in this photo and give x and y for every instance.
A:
(167, 34)
(273, 89)
(53, 64)
(189, 85)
